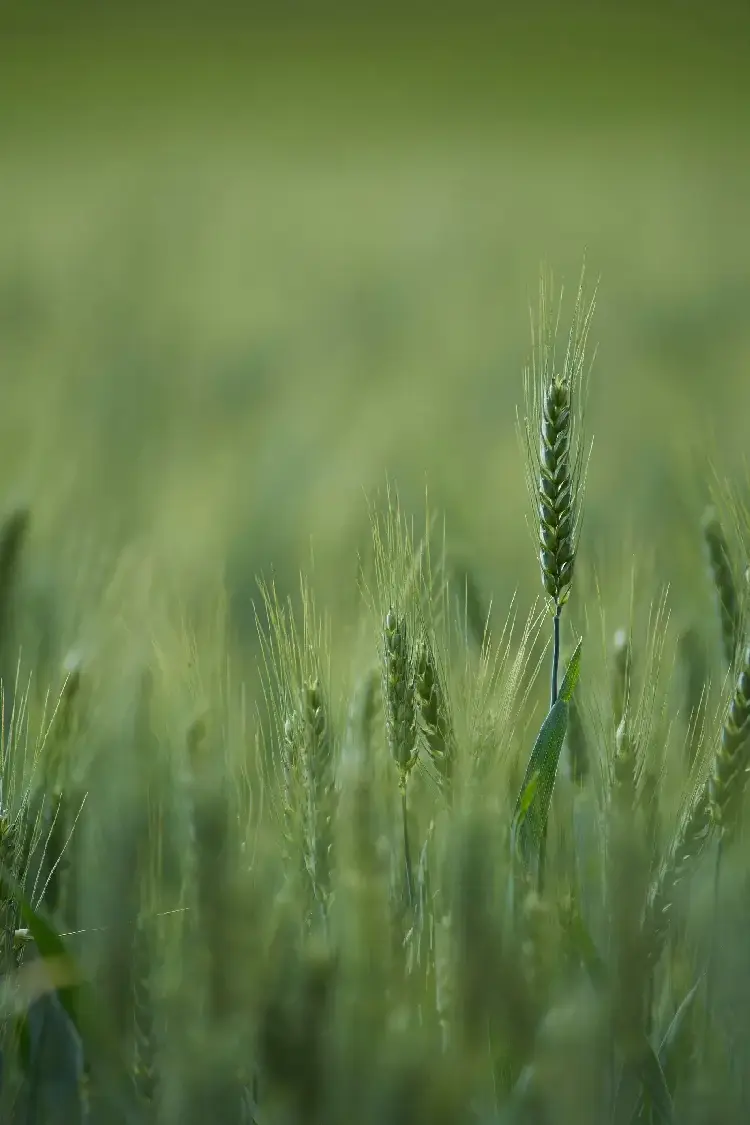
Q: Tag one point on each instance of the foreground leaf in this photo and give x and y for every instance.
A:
(572, 674)
(532, 806)
(68, 979)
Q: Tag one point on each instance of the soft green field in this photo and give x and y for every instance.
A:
(247, 279)
(224, 322)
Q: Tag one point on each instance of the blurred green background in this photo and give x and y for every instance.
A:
(253, 262)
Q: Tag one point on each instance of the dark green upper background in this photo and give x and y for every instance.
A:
(249, 264)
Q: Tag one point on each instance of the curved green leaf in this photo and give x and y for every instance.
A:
(655, 1087)
(49, 943)
(675, 1033)
(79, 1003)
(572, 674)
(643, 1090)
(670, 1046)
(532, 806)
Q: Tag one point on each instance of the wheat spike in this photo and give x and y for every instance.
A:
(398, 695)
(556, 511)
(433, 706)
(308, 771)
(552, 437)
(690, 840)
(720, 566)
(622, 659)
(729, 774)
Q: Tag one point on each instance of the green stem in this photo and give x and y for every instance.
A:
(407, 847)
(553, 701)
(555, 656)
(710, 972)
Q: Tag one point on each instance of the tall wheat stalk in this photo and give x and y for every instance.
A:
(555, 456)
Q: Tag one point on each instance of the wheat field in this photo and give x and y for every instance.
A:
(376, 703)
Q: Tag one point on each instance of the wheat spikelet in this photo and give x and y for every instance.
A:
(556, 512)
(399, 695)
(297, 675)
(433, 707)
(552, 437)
(622, 657)
(399, 703)
(690, 840)
(729, 774)
(725, 588)
(308, 771)
(401, 591)
(625, 771)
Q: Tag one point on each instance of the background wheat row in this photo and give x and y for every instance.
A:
(452, 827)
(422, 886)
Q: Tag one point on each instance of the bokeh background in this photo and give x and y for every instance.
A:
(255, 262)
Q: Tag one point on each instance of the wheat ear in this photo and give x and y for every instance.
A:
(726, 786)
(690, 840)
(622, 661)
(720, 566)
(728, 778)
(555, 464)
(400, 716)
(309, 754)
(552, 436)
(433, 707)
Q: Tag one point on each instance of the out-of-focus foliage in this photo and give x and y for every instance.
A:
(247, 274)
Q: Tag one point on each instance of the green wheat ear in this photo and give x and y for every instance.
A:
(729, 775)
(720, 566)
(434, 710)
(398, 695)
(689, 842)
(551, 433)
(622, 660)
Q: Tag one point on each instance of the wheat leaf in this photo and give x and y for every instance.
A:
(572, 674)
(532, 809)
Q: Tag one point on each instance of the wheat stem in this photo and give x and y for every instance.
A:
(407, 846)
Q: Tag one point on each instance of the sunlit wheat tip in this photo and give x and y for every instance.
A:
(621, 665)
(625, 764)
